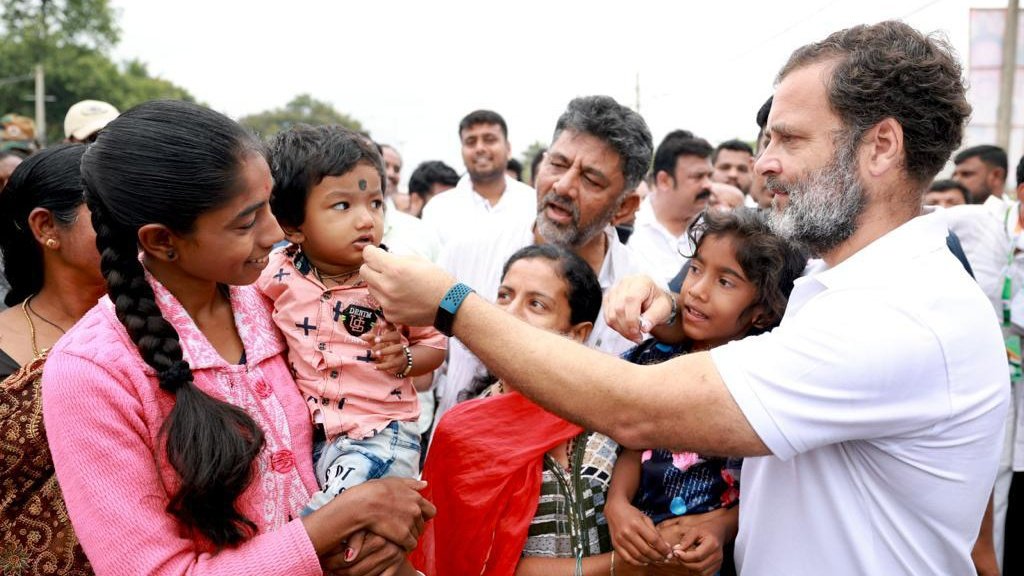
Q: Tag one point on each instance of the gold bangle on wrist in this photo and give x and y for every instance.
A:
(611, 568)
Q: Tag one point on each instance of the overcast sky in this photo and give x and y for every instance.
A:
(409, 70)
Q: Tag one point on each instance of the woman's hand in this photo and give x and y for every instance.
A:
(364, 555)
(387, 348)
(634, 536)
(390, 507)
(635, 305)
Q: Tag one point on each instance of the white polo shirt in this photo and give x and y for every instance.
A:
(881, 397)
(462, 212)
(478, 264)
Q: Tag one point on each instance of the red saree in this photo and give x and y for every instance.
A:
(483, 473)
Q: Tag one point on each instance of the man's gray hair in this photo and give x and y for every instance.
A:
(623, 129)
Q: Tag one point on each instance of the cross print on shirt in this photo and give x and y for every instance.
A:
(281, 274)
(337, 310)
(306, 326)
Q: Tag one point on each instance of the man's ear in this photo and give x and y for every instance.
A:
(997, 180)
(663, 181)
(580, 332)
(884, 147)
(157, 241)
(630, 204)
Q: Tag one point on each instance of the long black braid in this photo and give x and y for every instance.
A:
(209, 443)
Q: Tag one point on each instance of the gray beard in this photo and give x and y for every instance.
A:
(571, 235)
(823, 207)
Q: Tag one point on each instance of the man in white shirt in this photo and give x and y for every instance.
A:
(485, 197)
(983, 170)
(600, 153)
(993, 241)
(871, 417)
(682, 187)
(733, 161)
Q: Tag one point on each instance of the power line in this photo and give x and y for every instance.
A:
(16, 79)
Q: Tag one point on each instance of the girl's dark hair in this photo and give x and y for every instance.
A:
(50, 180)
(168, 162)
(303, 155)
(584, 290)
(584, 295)
(769, 262)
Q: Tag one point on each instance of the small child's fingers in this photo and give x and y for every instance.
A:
(389, 351)
(698, 552)
(657, 549)
(642, 550)
(391, 366)
(628, 555)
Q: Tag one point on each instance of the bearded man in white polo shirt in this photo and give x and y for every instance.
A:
(871, 418)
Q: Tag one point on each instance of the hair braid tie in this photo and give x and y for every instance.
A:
(177, 373)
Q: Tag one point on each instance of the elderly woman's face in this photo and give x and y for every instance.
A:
(534, 292)
(78, 245)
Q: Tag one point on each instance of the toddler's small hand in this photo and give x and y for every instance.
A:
(387, 348)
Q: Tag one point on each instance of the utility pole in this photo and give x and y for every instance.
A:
(637, 92)
(40, 106)
(1004, 113)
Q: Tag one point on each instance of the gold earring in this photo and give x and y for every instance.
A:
(171, 255)
(51, 243)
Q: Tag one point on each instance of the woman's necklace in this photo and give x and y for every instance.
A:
(26, 306)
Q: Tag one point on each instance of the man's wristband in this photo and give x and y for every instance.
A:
(445, 317)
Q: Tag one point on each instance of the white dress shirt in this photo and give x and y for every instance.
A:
(462, 212)
(407, 235)
(664, 251)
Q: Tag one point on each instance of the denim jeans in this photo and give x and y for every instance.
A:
(345, 462)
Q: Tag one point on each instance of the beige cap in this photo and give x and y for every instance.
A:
(86, 117)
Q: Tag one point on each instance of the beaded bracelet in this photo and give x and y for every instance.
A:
(408, 363)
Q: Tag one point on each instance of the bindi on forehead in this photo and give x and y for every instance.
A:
(362, 184)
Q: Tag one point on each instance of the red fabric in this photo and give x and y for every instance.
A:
(483, 473)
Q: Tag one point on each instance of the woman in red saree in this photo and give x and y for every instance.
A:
(519, 490)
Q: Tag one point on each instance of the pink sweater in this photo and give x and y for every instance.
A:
(103, 411)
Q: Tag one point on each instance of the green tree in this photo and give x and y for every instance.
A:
(71, 39)
(527, 158)
(303, 109)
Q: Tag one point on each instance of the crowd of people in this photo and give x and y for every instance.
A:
(223, 354)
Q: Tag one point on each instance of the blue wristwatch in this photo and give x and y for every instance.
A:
(445, 317)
